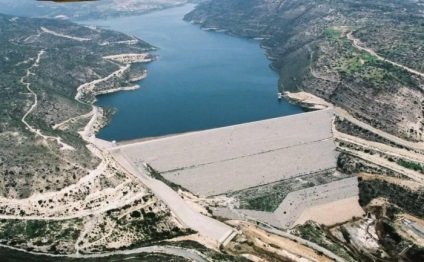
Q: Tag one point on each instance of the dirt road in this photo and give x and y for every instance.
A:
(345, 115)
(357, 43)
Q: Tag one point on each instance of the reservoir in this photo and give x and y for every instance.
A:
(201, 80)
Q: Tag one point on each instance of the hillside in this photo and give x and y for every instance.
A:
(59, 194)
(64, 64)
(308, 45)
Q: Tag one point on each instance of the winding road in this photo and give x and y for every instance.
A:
(34, 105)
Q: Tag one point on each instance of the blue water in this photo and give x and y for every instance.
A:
(201, 80)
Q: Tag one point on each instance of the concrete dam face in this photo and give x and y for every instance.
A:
(228, 160)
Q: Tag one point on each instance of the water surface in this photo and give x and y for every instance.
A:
(201, 80)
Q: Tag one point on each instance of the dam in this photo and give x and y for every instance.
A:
(222, 161)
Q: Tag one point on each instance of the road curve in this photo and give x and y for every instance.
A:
(206, 226)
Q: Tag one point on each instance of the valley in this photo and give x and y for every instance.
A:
(207, 165)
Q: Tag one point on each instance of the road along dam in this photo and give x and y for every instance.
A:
(293, 158)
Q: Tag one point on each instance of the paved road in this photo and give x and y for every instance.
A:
(204, 225)
(152, 249)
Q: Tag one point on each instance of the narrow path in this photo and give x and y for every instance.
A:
(384, 149)
(83, 213)
(414, 175)
(116, 203)
(88, 227)
(90, 85)
(74, 119)
(87, 134)
(267, 227)
(406, 31)
(357, 43)
(317, 102)
(379, 147)
(304, 242)
(34, 105)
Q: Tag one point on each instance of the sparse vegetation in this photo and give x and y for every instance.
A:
(269, 197)
(33, 233)
(317, 234)
(406, 199)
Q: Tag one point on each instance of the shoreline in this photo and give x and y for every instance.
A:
(88, 133)
(306, 100)
(132, 58)
(118, 89)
